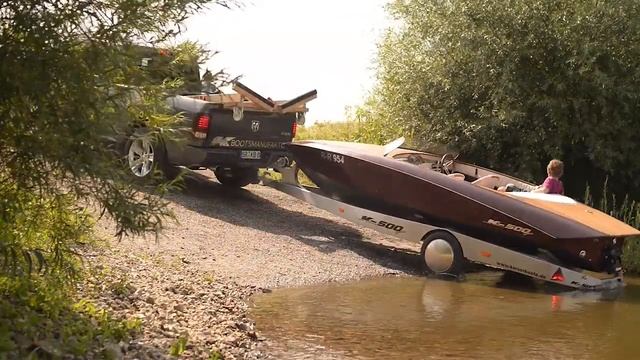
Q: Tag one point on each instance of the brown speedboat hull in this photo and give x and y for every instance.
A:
(372, 181)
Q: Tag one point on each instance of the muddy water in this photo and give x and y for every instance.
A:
(485, 317)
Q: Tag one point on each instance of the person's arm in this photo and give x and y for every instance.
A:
(544, 188)
(541, 189)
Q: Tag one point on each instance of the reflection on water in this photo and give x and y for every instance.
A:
(416, 318)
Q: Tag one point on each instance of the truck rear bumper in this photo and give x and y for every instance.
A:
(192, 156)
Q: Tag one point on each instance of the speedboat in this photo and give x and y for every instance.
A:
(450, 205)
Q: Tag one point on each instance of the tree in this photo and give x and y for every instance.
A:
(63, 77)
(512, 84)
(66, 80)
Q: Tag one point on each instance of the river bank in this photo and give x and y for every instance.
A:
(189, 289)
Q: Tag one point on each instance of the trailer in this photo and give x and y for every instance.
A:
(472, 249)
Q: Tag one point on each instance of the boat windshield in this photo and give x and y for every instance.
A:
(388, 148)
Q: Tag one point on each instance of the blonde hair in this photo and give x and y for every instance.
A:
(555, 168)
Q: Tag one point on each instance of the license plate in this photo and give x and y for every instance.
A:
(250, 154)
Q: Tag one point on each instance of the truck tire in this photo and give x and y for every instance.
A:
(236, 177)
(144, 156)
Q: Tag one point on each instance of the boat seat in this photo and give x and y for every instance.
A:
(456, 176)
(489, 181)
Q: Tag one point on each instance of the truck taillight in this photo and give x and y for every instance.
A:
(294, 129)
(201, 126)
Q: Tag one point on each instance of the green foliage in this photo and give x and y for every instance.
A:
(340, 131)
(512, 84)
(354, 130)
(215, 355)
(631, 255)
(179, 346)
(39, 320)
(38, 234)
(121, 287)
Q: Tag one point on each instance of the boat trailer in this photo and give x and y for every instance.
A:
(473, 250)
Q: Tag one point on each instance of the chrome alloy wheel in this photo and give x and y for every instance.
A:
(140, 157)
(439, 255)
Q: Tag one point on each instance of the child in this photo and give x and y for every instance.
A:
(552, 184)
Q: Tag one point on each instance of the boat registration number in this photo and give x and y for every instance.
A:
(336, 158)
(250, 154)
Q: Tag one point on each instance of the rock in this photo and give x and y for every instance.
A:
(49, 347)
(123, 346)
(244, 326)
(231, 339)
(112, 352)
(168, 327)
(150, 300)
(21, 340)
(180, 308)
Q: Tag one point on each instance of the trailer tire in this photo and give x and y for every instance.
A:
(442, 255)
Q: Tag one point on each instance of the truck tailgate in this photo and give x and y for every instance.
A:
(254, 130)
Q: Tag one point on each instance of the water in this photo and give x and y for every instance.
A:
(418, 318)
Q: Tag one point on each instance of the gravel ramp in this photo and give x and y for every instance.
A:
(228, 244)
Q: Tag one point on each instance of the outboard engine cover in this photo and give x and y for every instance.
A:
(613, 260)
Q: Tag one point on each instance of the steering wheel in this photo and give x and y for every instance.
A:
(446, 162)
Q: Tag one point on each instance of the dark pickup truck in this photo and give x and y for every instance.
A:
(233, 135)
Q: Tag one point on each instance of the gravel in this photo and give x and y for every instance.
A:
(228, 245)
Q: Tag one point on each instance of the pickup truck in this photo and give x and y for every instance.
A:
(234, 135)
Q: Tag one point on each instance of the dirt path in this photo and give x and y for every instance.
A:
(228, 245)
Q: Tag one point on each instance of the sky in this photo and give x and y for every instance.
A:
(283, 48)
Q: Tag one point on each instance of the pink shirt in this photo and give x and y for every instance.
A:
(553, 185)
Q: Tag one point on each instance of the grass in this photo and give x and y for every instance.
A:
(120, 286)
(179, 346)
(209, 278)
(215, 355)
(627, 211)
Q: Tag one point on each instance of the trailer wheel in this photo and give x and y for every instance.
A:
(442, 254)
